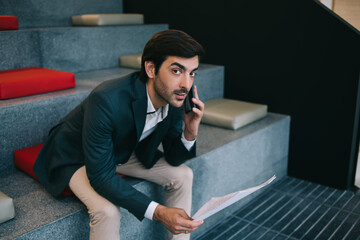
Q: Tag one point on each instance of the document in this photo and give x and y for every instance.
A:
(217, 204)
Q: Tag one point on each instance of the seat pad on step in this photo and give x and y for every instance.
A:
(33, 80)
(131, 61)
(8, 23)
(25, 159)
(107, 19)
(7, 210)
(232, 114)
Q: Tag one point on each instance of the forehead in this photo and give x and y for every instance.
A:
(188, 63)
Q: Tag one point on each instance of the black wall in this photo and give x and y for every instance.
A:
(293, 55)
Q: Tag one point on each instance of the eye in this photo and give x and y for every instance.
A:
(176, 71)
(193, 74)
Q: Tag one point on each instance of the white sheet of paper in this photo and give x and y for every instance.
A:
(217, 204)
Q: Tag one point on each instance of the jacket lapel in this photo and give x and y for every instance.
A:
(139, 106)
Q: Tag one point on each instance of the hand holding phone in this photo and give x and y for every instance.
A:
(188, 101)
(192, 121)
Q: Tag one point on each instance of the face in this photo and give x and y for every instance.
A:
(173, 81)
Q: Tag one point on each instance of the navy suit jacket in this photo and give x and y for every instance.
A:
(102, 132)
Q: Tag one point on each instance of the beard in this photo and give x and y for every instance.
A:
(166, 95)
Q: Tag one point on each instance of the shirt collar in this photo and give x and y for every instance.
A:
(151, 109)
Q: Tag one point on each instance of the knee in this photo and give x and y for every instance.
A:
(184, 175)
(188, 173)
(105, 213)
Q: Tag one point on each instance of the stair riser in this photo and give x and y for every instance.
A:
(19, 49)
(76, 49)
(28, 124)
(243, 163)
(84, 49)
(210, 83)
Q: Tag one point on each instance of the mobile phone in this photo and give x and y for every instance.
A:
(188, 101)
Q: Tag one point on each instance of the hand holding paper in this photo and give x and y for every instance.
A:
(218, 203)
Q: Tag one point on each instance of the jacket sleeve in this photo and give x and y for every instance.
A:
(174, 149)
(99, 158)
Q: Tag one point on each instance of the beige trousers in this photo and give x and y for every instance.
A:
(105, 216)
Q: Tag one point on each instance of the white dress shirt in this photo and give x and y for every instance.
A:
(154, 117)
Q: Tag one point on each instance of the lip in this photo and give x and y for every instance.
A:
(180, 96)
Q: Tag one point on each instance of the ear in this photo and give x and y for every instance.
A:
(150, 69)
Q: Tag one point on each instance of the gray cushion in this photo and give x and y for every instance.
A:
(7, 210)
(232, 114)
(107, 19)
(131, 61)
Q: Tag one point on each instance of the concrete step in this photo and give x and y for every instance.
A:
(43, 13)
(73, 49)
(26, 121)
(227, 161)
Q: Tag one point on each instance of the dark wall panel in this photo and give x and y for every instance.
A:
(328, 67)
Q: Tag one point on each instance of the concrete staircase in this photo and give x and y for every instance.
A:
(227, 160)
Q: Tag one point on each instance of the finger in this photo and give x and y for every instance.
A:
(191, 225)
(199, 103)
(197, 224)
(195, 92)
(189, 229)
(184, 215)
(198, 113)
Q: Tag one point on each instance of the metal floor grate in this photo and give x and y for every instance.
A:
(294, 209)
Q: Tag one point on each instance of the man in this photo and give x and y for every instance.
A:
(118, 128)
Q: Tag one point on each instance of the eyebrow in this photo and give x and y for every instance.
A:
(182, 66)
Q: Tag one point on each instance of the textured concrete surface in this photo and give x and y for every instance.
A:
(73, 49)
(19, 49)
(79, 49)
(44, 13)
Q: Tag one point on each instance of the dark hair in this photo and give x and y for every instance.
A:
(168, 43)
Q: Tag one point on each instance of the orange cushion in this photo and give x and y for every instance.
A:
(8, 23)
(33, 80)
(25, 159)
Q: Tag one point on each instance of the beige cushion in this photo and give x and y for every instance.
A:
(108, 19)
(131, 61)
(232, 114)
(7, 210)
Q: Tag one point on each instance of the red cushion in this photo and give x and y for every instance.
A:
(33, 80)
(8, 23)
(25, 159)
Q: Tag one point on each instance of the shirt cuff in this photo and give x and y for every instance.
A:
(150, 210)
(188, 144)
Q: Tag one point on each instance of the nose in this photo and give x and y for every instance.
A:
(186, 82)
